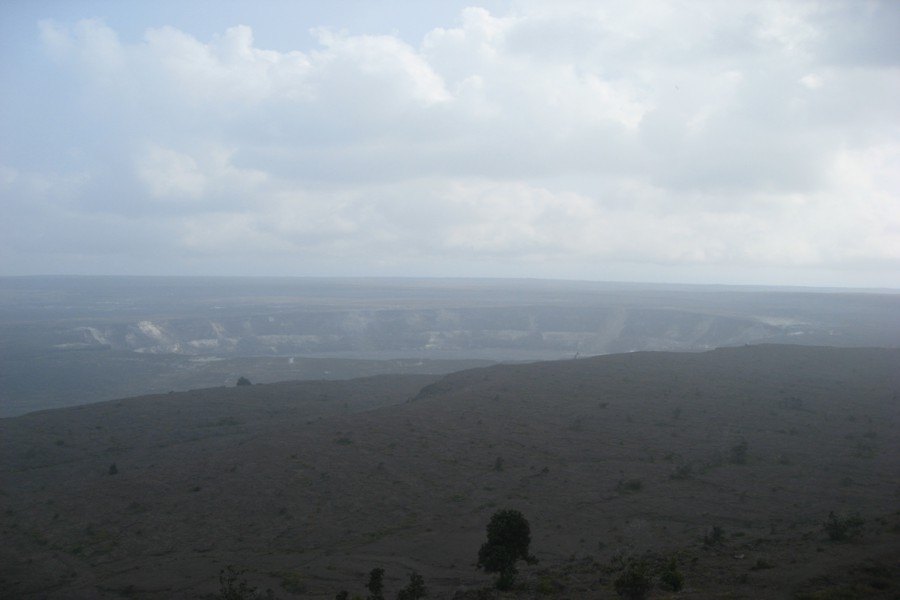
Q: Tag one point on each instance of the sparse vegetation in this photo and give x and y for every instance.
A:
(547, 585)
(714, 537)
(313, 459)
(635, 582)
(629, 486)
(739, 453)
(233, 586)
(291, 581)
(843, 528)
(791, 403)
(683, 472)
(415, 589)
(670, 578)
(863, 449)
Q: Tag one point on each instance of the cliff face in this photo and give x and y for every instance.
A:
(502, 332)
(71, 341)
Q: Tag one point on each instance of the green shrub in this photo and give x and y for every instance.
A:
(635, 582)
(548, 585)
(761, 564)
(739, 453)
(415, 589)
(714, 537)
(670, 578)
(291, 581)
(232, 586)
(840, 529)
(682, 472)
(629, 486)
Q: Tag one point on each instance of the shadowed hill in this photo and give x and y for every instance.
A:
(309, 485)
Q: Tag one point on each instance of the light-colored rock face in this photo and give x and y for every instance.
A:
(543, 332)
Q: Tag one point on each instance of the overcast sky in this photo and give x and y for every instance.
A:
(717, 142)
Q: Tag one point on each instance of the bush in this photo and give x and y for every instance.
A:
(682, 472)
(739, 453)
(761, 564)
(840, 529)
(670, 578)
(233, 587)
(629, 486)
(415, 589)
(714, 537)
(635, 582)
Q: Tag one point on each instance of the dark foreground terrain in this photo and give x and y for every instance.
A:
(728, 461)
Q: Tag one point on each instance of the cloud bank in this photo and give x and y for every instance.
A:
(741, 142)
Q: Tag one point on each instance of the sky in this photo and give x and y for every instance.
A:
(741, 142)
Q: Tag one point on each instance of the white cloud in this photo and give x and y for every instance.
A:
(90, 44)
(574, 132)
(172, 175)
(812, 81)
(168, 173)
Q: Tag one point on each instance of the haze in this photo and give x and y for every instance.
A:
(695, 142)
(315, 297)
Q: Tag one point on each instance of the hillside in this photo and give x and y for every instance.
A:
(309, 485)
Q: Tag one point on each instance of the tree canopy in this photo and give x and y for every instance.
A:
(508, 541)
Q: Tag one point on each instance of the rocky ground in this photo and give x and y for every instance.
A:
(728, 462)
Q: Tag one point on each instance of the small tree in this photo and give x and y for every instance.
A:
(635, 582)
(415, 589)
(508, 540)
(376, 584)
